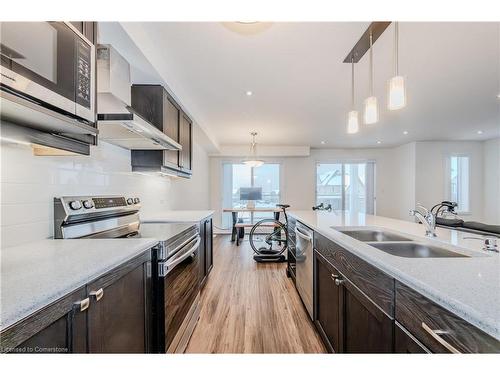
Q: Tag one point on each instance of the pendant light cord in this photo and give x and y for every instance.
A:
(396, 48)
(371, 63)
(352, 82)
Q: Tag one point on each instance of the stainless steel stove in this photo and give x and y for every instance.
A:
(176, 266)
(96, 217)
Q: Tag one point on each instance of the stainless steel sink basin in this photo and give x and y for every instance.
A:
(369, 235)
(415, 250)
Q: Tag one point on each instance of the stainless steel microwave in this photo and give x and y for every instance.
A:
(50, 63)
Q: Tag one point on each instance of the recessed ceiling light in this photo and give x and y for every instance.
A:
(249, 93)
(323, 142)
(479, 132)
(405, 132)
(379, 142)
(498, 96)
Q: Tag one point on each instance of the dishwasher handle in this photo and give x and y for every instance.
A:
(305, 236)
(164, 268)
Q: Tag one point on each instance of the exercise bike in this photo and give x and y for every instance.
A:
(269, 238)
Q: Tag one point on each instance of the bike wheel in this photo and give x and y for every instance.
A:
(268, 237)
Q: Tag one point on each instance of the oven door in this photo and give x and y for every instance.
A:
(50, 62)
(181, 278)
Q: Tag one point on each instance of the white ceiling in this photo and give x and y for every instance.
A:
(301, 88)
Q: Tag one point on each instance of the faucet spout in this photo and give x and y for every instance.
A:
(427, 218)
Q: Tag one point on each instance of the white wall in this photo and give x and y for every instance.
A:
(491, 181)
(405, 175)
(430, 174)
(29, 184)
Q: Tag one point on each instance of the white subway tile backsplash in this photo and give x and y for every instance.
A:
(29, 184)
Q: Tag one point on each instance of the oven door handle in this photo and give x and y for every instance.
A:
(166, 267)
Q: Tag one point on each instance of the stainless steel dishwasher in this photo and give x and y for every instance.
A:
(304, 269)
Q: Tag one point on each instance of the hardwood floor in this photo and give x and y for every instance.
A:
(249, 307)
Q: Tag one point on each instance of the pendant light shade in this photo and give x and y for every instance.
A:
(371, 103)
(371, 110)
(352, 116)
(252, 160)
(397, 87)
(352, 122)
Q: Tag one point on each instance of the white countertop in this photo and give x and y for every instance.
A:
(469, 287)
(176, 216)
(36, 274)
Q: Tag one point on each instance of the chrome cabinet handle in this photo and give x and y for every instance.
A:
(334, 277)
(98, 294)
(83, 304)
(434, 333)
(338, 281)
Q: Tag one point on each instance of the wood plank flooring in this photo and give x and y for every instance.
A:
(249, 307)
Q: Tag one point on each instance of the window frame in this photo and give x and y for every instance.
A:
(343, 162)
(447, 184)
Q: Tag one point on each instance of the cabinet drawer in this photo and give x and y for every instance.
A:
(370, 280)
(450, 333)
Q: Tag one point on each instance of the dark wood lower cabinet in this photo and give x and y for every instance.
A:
(406, 343)
(59, 328)
(366, 328)
(206, 249)
(346, 318)
(120, 309)
(328, 304)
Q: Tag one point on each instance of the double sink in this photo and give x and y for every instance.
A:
(398, 245)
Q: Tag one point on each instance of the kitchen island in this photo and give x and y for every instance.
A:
(468, 286)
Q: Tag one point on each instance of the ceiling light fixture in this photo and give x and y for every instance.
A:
(479, 132)
(352, 116)
(397, 87)
(249, 93)
(371, 105)
(379, 142)
(252, 160)
(405, 132)
(323, 142)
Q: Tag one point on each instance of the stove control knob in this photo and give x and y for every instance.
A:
(88, 203)
(136, 200)
(130, 201)
(75, 205)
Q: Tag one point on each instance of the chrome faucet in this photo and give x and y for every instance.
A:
(427, 218)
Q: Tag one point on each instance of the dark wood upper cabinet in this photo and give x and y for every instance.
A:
(185, 139)
(157, 106)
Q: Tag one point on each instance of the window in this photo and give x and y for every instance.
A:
(459, 182)
(238, 175)
(346, 186)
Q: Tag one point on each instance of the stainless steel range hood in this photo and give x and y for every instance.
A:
(118, 123)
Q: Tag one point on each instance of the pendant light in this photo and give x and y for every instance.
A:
(371, 105)
(397, 87)
(352, 116)
(252, 160)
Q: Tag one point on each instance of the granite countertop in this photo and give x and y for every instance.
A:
(469, 287)
(176, 216)
(36, 274)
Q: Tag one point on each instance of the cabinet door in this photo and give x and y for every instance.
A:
(328, 304)
(203, 234)
(209, 240)
(119, 310)
(171, 128)
(405, 343)
(147, 101)
(185, 141)
(58, 328)
(366, 328)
